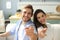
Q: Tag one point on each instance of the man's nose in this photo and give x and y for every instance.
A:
(26, 14)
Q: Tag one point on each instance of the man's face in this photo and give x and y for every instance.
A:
(26, 14)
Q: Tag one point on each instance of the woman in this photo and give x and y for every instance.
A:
(43, 28)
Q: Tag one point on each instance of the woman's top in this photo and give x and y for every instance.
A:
(49, 33)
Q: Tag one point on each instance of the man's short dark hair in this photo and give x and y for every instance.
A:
(30, 7)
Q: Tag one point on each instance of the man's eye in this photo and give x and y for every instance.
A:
(24, 12)
(29, 13)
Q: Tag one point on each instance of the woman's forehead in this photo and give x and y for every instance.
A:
(40, 14)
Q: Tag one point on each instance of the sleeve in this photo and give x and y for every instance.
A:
(12, 29)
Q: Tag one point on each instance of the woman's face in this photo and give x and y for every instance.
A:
(41, 17)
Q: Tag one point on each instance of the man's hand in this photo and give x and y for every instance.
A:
(29, 31)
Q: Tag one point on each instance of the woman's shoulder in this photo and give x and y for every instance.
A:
(48, 24)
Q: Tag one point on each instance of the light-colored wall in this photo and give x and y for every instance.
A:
(52, 0)
(0, 4)
(40, 0)
(46, 6)
(15, 4)
(8, 11)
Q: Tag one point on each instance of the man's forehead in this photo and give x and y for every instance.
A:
(27, 9)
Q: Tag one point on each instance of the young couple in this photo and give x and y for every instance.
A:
(25, 29)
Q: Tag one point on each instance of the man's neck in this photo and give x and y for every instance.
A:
(24, 22)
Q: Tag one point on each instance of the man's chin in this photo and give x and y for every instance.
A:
(25, 20)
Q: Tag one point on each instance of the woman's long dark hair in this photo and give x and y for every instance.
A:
(36, 22)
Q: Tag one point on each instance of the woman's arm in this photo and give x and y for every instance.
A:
(41, 35)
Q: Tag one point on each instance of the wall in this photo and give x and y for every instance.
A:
(53, 0)
(15, 3)
(46, 6)
(40, 0)
(0, 4)
(8, 11)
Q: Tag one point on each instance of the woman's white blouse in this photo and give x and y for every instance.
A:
(49, 33)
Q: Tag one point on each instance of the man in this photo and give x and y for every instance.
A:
(24, 29)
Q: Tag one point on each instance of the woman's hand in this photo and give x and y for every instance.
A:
(42, 32)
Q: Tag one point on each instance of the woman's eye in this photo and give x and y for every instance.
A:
(38, 17)
(42, 15)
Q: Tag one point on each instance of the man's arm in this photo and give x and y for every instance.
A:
(30, 33)
(5, 34)
(33, 37)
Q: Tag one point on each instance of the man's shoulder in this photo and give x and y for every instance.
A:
(19, 21)
(30, 23)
